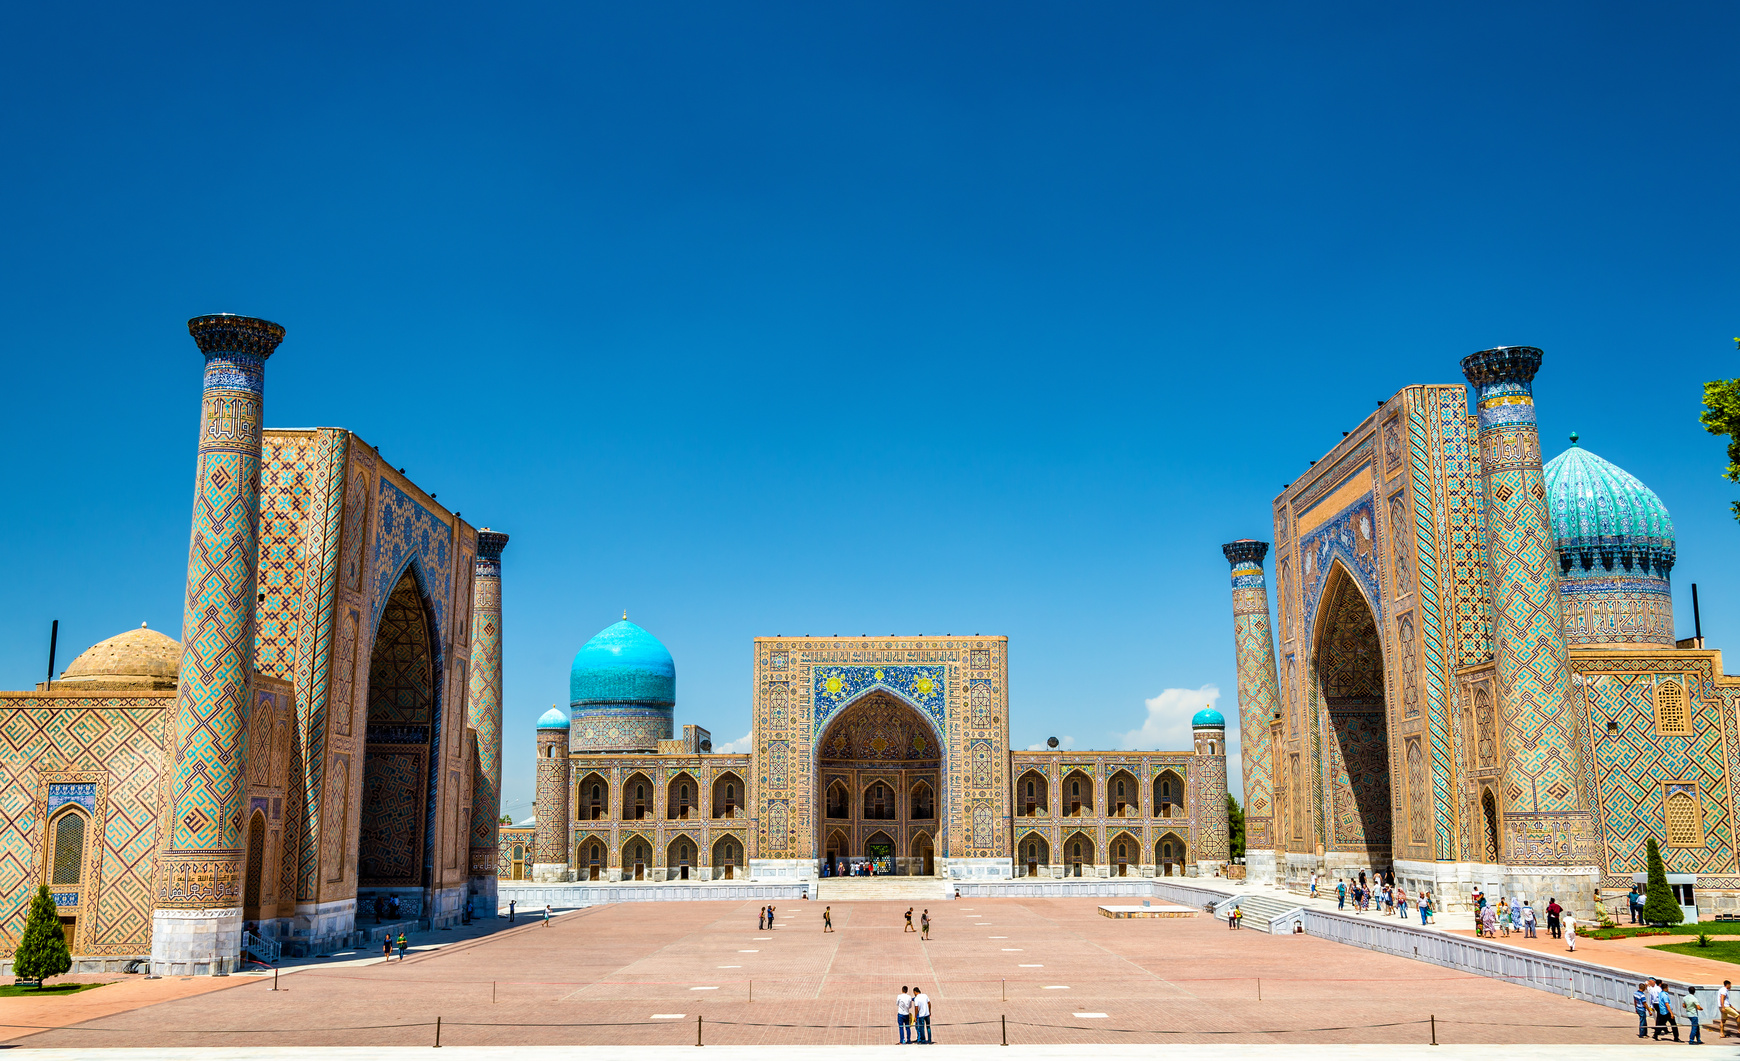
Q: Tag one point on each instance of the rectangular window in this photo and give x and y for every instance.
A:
(1673, 716)
(1683, 815)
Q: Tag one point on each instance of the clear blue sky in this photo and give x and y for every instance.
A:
(835, 319)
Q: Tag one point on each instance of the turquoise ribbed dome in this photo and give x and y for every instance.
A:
(553, 719)
(623, 664)
(1604, 519)
(1208, 716)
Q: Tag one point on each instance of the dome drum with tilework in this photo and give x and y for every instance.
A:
(1616, 549)
(622, 690)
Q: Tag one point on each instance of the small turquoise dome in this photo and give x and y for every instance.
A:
(1604, 519)
(553, 719)
(1208, 716)
(623, 664)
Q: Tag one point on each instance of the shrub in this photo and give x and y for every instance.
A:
(1660, 907)
(42, 950)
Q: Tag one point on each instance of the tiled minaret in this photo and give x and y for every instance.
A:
(550, 842)
(1259, 700)
(1547, 830)
(197, 923)
(1208, 729)
(483, 712)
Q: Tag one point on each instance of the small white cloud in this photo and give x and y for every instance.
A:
(1062, 742)
(741, 744)
(1167, 727)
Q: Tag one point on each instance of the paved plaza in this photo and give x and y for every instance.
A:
(1054, 970)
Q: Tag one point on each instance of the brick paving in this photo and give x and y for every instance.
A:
(599, 976)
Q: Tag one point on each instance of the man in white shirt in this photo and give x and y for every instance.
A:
(921, 1013)
(903, 1015)
(1725, 1009)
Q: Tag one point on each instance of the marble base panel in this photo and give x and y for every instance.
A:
(551, 872)
(1260, 867)
(976, 868)
(196, 942)
(783, 869)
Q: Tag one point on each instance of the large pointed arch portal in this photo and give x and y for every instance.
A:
(1354, 799)
(877, 752)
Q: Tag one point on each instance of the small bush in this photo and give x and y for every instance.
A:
(1704, 939)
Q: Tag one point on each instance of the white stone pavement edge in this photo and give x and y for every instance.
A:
(1072, 1051)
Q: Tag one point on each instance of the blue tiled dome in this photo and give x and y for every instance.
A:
(1208, 716)
(623, 664)
(1604, 520)
(554, 718)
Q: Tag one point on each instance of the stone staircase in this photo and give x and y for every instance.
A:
(882, 889)
(1261, 912)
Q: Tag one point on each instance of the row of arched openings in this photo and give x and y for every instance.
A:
(1123, 795)
(878, 802)
(1125, 851)
(683, 793)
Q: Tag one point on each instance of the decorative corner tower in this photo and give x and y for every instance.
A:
(196, 926)
(1549, 836)
(1259, 701)
(483, 712)
(550, 845)
(1213, 846)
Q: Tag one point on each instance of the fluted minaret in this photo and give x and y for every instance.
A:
(1259, 700)
(483, 712)
(197, 923)
(1548, 833)
(550, 842)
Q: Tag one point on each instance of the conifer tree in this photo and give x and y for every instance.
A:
(1660, 907)
(42, 952)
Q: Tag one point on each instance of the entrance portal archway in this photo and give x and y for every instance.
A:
(874, 759)
(394, 853)
(1349, 665)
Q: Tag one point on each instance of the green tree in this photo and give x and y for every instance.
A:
(1660, 907)
(42, 952)
(1721, 416)
(1235, 827)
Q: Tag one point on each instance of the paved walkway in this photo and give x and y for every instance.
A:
(1052, 971)
(1186, 1052)
(1631, 954)
(24, 1015)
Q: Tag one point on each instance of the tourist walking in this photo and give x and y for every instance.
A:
(387, 947)
(1488, 921)
(404, 944)
(903, 1015)
(908, 927)
(1340, 894)
(1664, 1011)
(1528, 921)
(1313, 885)
(1427, 909)
(1232, 919)
(1640, 1003)
(921, 1013)
(1553, 912)
(1694, 1015)
(761, 919)
(547, 913)
(1569, 923)
(924, 925)
(1725, 1010)
(1402, 903)
(770, 909)
(828, 922)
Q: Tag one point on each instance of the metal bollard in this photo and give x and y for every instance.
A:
(1434, 1019)
(697, 1029)
(437, 1033)
(1003, 1019)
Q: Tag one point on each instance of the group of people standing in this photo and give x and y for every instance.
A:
(1499, 918)
(912, 1015)
(764, 919)
(1380, 894)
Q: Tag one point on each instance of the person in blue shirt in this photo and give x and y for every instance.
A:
(1640, 1003)
(1340, 894)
